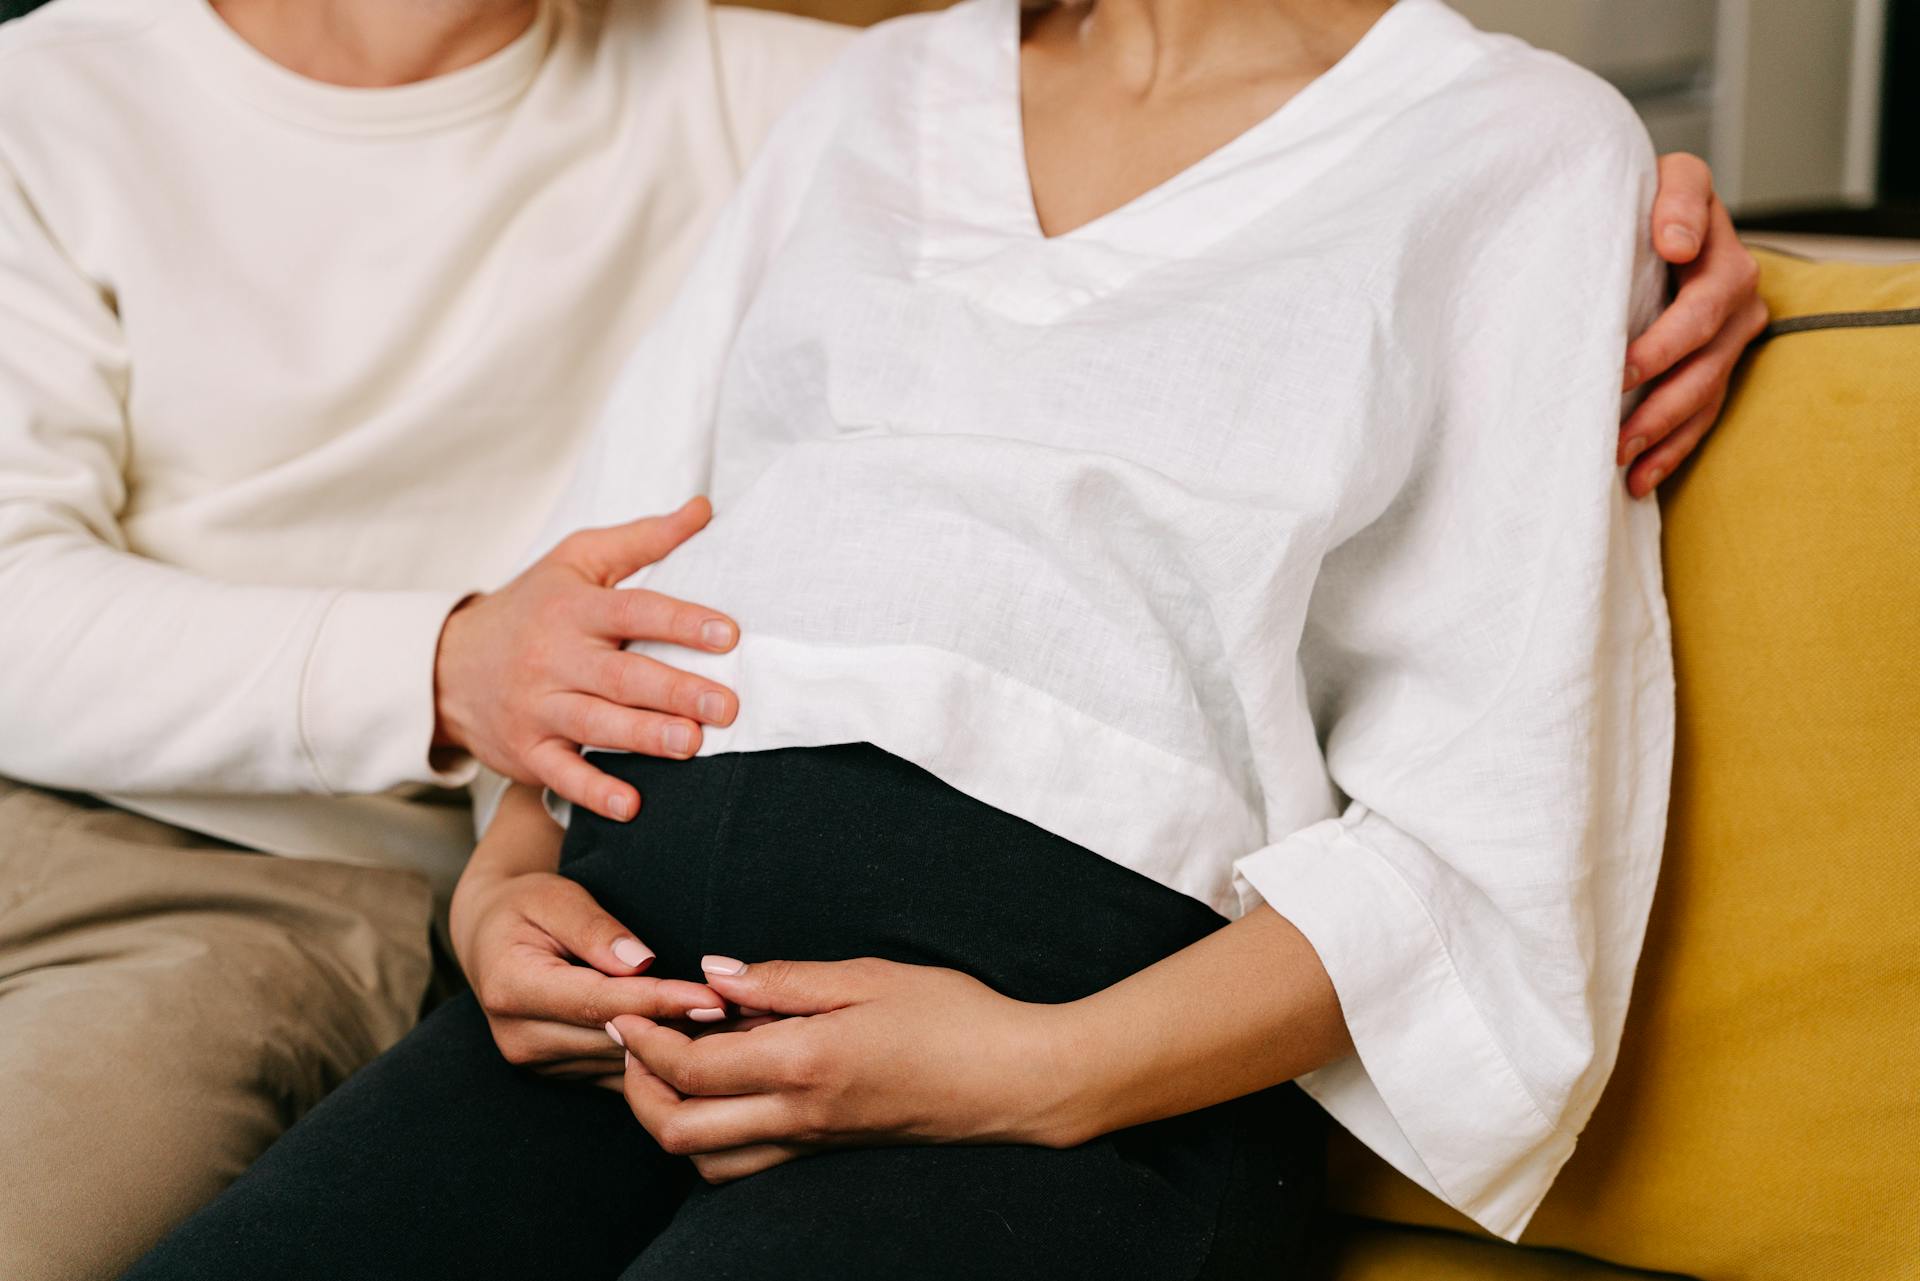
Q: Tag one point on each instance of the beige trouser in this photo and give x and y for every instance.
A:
(168, 1005)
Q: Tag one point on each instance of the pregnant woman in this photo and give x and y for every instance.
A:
(1200, 671)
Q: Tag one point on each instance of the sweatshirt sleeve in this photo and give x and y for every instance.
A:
(120, 674)
(1489, 668)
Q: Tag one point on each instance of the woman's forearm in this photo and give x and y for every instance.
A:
(1243, 1009)
(522, 838)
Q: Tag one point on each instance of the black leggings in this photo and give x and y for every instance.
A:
(440, 1160)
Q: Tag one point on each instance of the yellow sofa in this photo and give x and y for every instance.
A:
(1764, 1121)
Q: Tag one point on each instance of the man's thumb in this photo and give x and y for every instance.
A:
(616, 552)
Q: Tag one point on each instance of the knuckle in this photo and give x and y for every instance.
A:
(686, 623)
(675, 1136)
(596, 724)
(691, 1077)
(614, 675)
(552, 610)
(805, 1066)
(639, 611)
(515, 1046)
(497, 995)
(1705, 317)
(811, 1118)
(683, 695)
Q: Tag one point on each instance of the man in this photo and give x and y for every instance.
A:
(304, 306)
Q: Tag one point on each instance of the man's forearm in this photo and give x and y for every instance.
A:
(128, 676)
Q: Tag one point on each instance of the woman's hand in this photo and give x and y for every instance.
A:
(880, 1053)
(1693, 348)
(550, 967)
(885, 1054)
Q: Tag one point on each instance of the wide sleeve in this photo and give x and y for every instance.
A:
(1487, 658)
(119, 674)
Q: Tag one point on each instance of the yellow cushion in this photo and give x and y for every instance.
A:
(1382, 1252)
(1764, 1121)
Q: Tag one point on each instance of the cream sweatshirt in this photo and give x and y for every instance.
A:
(286, 369)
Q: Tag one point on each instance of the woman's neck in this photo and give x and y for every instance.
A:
(373, 44)
(1155, 46)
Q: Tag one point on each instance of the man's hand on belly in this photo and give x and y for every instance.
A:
(528, 675)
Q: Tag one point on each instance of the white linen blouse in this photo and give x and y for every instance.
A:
(1263, 535)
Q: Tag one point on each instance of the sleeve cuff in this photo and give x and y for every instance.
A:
(366, 698)
(1431, 1091)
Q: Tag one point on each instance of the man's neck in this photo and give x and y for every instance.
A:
(373, 44)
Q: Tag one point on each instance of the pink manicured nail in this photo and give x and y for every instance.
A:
(722, 965)
(614, 1032)
(629, 952)
(629, 1061)
(706, 1016)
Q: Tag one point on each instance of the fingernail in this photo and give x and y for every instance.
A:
(1634, 447)
(749, 1012)
(1654, 478)
(715, 634)
(679, 740)
(706, 1015)
(722, 965)
(1632, 379)
(629, 952)
(614, 1032)
(712, 707)
(628, 1059)
(621, 807)
(1680, 238)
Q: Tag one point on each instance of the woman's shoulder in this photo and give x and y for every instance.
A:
(1517, 110)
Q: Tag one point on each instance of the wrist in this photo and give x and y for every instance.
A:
(1066, 1087)
(473, 897)
(449, 725)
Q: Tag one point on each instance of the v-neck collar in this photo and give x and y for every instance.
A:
(981, 231)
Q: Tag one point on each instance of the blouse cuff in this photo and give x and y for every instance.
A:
(1432, 1090)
